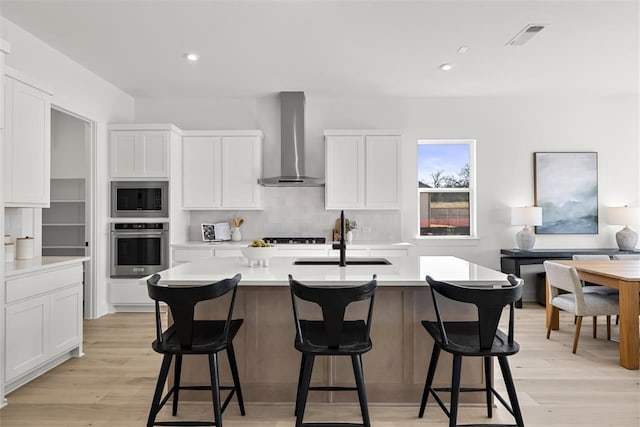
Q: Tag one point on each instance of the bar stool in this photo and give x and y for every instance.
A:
(332, 336)
(480, 338)
(188, 336)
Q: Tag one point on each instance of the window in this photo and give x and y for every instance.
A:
(446, 187)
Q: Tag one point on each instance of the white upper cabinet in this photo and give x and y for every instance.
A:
(221, 169)
(27, 156)
(362, 169)
(139, 153)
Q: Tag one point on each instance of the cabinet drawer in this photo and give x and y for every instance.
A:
(186, 255)
(43, 282)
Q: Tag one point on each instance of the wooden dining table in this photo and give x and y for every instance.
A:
(625, 277)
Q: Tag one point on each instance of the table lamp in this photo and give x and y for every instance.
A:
(528, 215)
(626, 238)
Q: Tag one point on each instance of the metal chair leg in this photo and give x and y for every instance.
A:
(435, 353)
(215, 388)
(162, 378)
(231, 355)
(356, 360)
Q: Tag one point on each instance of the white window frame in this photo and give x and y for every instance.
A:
(472, 190)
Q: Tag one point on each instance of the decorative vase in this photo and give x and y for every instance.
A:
(235, 234)
(349, 236)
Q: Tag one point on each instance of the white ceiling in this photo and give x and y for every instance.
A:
(343, 48)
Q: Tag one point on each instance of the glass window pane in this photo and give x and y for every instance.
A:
(443, 165)
(444, 214)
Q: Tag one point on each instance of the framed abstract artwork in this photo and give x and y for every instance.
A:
(566, 188)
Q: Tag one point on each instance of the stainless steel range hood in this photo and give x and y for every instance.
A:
(292, 145)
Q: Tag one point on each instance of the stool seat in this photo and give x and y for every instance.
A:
(208, 337)
(463, 339)
(353, 338)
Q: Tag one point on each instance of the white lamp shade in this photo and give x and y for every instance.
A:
(623, 216)
(529, 215)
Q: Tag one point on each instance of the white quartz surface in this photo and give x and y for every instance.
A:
(23, 266)
(403, 271)
(244, 243)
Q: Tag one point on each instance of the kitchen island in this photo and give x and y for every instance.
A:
(394, 370)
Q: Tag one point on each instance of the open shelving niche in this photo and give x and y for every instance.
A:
(63, 223)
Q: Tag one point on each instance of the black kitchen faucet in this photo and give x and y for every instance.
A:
(342, 245)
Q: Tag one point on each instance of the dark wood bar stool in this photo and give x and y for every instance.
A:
(188, 336)
(480, 338)
(332, 336)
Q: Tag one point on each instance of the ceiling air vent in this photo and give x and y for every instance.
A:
(525, 35)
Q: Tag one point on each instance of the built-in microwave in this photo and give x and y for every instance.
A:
(136, 199)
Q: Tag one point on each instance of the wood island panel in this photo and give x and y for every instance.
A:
(268, 364)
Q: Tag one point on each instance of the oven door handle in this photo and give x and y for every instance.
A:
(137, 234)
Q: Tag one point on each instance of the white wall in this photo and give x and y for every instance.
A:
(77, 90)
(508, 131)
(68, 135)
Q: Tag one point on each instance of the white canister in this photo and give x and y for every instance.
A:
(24, 248)
(9, 252)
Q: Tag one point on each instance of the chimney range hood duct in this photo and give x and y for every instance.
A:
(292, 145)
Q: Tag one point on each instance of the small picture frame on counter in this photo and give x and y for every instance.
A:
(216, 232)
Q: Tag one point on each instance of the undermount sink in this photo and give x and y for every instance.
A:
(336, 261)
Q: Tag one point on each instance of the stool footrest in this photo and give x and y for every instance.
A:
(333, 388)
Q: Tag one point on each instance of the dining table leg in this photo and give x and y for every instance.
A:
(629, 341)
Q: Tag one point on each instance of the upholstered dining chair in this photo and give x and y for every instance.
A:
(588, 287)
(576, 301)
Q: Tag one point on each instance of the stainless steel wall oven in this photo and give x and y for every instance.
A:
(139, 249)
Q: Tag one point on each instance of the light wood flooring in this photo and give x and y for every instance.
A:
(113, 383)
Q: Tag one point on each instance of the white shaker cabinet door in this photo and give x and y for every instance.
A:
(344, 168)
(27, 145)
(241, 169)
(153, 155)
(66, 319)
(27, 336)
(382, 171)
(123, 154)
(201, 172)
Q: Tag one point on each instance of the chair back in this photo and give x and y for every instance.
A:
(182, 301)
(627, 257)
(565, 277)
(333, 301)
(591, 258)
(489, 301)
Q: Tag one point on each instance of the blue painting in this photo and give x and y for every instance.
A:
(566, 187)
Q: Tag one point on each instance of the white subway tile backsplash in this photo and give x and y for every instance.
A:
(299, 211)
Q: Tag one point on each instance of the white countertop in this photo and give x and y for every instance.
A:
(23, 266)
(327, 245)
(403, 271)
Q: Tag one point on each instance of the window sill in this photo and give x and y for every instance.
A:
(445, 240)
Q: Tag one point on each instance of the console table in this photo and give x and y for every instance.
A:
(512, 259)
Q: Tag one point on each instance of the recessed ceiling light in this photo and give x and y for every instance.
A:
(193, 57)
(463, 49)
(446, 67)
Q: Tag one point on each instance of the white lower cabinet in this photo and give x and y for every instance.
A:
(43, 322)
